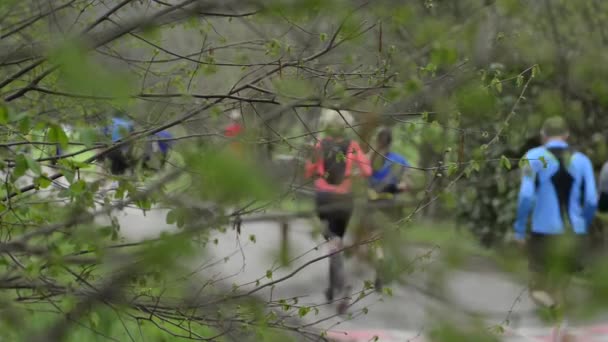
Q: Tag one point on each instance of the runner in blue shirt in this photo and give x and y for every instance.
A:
(389, 168)
(558, 189)
(389, 178)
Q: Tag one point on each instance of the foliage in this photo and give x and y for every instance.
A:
(465, 85)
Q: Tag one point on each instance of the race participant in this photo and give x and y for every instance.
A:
(156, 150)
(233, 130)
(333, 165)
(120, 159)
(558, 188)
(389, 175)
(389, 178)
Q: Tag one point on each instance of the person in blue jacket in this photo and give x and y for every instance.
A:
(120, 159)
(558, 188)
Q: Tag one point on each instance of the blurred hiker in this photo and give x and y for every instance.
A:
(389, 178)
(558, 188)
(234, 130)
(121, 159)
(333, 165)
(156, 150)
(235, 127)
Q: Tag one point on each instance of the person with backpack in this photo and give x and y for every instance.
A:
(558, 188)
(120, 159)
(333, 165)
(156, 150)
(388, 179)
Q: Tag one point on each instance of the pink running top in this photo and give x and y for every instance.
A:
(354, 156)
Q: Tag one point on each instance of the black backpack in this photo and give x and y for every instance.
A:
(562, 180)
(334, 160)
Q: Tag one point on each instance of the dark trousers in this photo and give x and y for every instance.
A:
(119, 162)
(553, 259)
(336, 210)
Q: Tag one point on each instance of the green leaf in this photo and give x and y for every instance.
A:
(171, 217)
(33, 165)
(340, 157)
(68, 174)
(20, 166)
(24, 125)
(78, 187)
(269, 274)
(81, 75)
(497, 84)
(181, 221)
(144, 204)
(535, 70)
(57, 135)
(475, 165)
(88, 137)
(425, 116)
(303, 311)
(323, 37)
(544, 161)
(94, 318)
(227, 177)
(519, 81)
(452, 168)
(252, 238)
(505, 162)
(3, 114)
(273, 48)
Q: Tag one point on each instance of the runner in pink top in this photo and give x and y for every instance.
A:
(333, 163)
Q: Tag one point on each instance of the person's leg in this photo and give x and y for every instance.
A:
(575, 248)
(538, 264)
(163, 159)
(391, 214)
(336, 266)
(338, 216)
(338, 227)
(321, 203)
